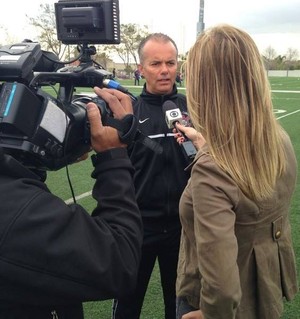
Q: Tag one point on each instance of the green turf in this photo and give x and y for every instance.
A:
(284, 104)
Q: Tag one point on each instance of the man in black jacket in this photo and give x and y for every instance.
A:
(54, 256)
(159, 178)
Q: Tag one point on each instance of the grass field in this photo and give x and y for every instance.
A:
(286, 98)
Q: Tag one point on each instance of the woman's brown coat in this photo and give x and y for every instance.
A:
(236, 258)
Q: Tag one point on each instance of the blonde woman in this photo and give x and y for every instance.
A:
(236, 255)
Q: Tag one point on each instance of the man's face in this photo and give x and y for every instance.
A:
(159, 66)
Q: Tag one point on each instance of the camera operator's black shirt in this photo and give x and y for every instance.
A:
(54, 256)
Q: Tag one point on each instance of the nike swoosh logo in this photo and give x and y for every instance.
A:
(143, 121)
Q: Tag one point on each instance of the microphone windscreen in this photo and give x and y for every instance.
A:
(169, 105)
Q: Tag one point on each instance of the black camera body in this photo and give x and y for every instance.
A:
(42, 131)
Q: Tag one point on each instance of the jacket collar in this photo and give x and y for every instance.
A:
(158, 99)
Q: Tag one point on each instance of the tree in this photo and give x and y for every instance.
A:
(8, 39)
(270, 53)
(269, 56)
(101, 57)
(279, 60)
(181, 63)
(291, 58)
(292, 54)
(131, 36)
(46, 24)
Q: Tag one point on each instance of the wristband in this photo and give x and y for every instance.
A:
(114, 153)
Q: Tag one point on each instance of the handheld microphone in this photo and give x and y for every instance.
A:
(111, 84)
(173, 115)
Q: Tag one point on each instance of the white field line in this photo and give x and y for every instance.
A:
(280, 117)
(70, 200)
(279, 91)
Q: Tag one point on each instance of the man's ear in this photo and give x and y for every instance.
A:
(140, 68)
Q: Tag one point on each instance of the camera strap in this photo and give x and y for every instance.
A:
(128, 132)
(126, 127)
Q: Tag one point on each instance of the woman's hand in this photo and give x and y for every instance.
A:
(196, 137)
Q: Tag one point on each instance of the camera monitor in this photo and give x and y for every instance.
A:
(88, 21)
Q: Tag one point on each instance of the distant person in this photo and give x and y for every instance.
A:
(236, 255)
(137, 76)
(114, 73)
(54, 256)
(179, 78)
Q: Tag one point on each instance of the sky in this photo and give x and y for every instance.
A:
(274, 23)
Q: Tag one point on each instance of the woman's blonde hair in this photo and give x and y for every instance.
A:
(229, 101)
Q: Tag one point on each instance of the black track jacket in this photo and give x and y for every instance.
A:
(54, 256)
(159, 178)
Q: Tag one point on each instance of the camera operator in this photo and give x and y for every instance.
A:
(54, 256)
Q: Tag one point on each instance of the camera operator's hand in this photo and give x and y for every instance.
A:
(106, 137)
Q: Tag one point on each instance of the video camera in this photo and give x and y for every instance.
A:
(45, 132)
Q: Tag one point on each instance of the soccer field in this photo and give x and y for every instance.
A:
(286, 100)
